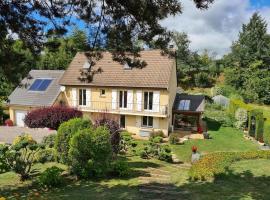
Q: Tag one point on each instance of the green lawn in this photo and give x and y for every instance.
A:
(223, 139)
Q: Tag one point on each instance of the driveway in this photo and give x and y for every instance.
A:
(8, 134)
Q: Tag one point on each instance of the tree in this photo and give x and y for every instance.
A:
(120, 22)
(247, 64)
(192, 67)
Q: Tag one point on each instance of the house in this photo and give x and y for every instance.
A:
(140, 99)
(39, 89)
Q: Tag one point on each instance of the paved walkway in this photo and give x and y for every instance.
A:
(8, 134)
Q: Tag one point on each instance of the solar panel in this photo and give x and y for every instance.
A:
(40, 84)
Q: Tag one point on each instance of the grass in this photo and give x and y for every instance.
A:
(222, 139)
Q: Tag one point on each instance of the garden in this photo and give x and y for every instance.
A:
(87, 160)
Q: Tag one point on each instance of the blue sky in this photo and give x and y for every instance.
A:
(260, 3)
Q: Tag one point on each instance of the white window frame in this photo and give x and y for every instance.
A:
(147, 125)
(123, 100)
(148, 100)
(82, 94)
(184, 104)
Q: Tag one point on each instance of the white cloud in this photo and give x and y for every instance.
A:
(214, 29)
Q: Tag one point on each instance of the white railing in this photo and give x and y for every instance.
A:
(114, 107)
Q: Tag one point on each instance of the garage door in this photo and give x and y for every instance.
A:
(20, 115)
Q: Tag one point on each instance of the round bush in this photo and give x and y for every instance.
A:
(90, 152)
(64, 134)
(51, 177)
(50, 117)
(46, 155)
(120, 168)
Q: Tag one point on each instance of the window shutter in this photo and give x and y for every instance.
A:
(74, 97)
(156, 123)
(130, 100)
(156, 101)
(114, 99)
(88, 97)
(139, 100)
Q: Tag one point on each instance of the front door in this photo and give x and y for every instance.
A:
(122, 121)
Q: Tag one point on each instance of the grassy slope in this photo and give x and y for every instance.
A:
(223, 139)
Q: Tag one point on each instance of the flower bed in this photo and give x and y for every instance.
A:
(215, 164)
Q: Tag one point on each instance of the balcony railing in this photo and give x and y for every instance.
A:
(114, 107)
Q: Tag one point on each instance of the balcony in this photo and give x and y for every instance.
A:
(129, 108)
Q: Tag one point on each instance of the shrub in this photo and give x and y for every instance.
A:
(202, 79)
(241, 116)
(120, 168)
(266, 132)
(257, 114)
(64, 134)
(49, 140)
(156, 134)
(8, 122)
(90, 152)
(4, 167)
(51, 177)
(50, 117)
(113, 127)
(215, 164)
(156, 139)
(173, 138)
(127, 142)
(156, 150)
(46, 155)
(20, 157)
(221, 116)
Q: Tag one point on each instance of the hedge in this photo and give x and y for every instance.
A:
(236, 103)
(266, 132)
(215, 164)
(259, 130)
(50, 117)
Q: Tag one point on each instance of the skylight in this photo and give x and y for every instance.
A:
(184, 105)
(40, 85)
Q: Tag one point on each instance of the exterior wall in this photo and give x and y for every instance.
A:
(172, 93)
(12, 110)
(133, 123)
(61, 100)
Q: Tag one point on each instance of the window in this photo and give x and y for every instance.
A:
(82, 97)
(40, 85)
(184, 105)
(147, 121)
(122, 121)
(102, 92)
(148, 100)
(123, 99)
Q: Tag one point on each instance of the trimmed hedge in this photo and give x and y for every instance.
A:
(259, 129)
(50, 117)
(266, 132)
(215, 164)
(235, 104)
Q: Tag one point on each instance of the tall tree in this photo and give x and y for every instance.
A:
(120, 21)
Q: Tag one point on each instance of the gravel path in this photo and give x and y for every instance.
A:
(8, 134)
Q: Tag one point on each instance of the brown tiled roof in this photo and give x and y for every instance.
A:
(155, 75)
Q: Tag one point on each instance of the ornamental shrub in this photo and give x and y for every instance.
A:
(51, 177)
(49, 140)
(4, 167)
(156, 139)
(114, 128)
(50, 117)
(266, 132)
(90, 152)
(64, 134)
(156, 134)
(173, 138)
(127, 143)
(8, 122)
(241, 117)
(215, 164)
(119, 168)
(46, 155)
